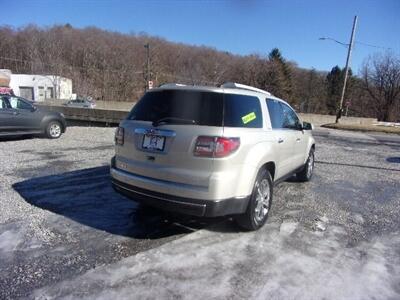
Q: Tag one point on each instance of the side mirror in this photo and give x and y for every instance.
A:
(33, 108)
(308, 126)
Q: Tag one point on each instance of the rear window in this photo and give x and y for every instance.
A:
(204, 108)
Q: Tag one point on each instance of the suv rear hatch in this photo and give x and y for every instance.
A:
(175, 135)
(160, 135)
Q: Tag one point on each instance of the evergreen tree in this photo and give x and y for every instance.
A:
(334, 85)
(279, 75)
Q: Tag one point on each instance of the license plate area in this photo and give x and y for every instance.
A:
(153, 142)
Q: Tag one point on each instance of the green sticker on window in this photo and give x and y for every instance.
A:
(248, 118)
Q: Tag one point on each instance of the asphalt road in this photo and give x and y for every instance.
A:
(61, 222)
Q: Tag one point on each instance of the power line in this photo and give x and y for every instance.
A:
(355, 42)
(374, 46)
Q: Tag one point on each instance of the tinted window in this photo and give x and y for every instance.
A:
(205, 108)
(242, 111)
(290, 119)
(17, 103)
(275, 113)
(3, 103)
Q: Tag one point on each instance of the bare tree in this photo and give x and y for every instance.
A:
(381, 76)
(110, 66)
(310, 90)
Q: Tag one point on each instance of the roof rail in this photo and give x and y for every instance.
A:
(167, 85)
(234, 85)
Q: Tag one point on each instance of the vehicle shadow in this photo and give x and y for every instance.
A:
(393, 160)
(10, 138)
(87, 197)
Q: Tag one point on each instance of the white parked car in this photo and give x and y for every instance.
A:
(82, 103)
(209, 151)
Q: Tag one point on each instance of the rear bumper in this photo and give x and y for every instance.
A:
(188, 206)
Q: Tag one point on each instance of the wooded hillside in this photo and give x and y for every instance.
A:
(112, 66)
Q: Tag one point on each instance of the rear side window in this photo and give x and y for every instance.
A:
(275, 113)
(204, 108)
(242, 111)
(3, 103)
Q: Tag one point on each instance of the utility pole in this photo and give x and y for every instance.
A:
(340, 110)
(148, 78)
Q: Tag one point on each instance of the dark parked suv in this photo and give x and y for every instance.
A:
(19, 116)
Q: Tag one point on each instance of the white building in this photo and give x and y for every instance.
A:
(41, 87)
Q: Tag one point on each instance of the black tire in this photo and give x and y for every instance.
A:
(53, 130)
(306, 173)
(257, 213)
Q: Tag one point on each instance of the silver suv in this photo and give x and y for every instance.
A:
(209, 151)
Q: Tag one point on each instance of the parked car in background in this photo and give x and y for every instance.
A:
(83, 103)
(19, 116)
(210, 152)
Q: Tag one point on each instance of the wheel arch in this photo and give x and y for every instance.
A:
(262, 155)
(46, 120)
(310, 146)
(270, 167)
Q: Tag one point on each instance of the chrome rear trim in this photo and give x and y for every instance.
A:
(162, 132)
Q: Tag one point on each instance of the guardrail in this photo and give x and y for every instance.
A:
(112, 117)
(109, 105)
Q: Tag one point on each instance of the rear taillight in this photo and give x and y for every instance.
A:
(210, 146)
(119, 136)
(205, 146)
(226, 146)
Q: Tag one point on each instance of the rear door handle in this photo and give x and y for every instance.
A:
(298, 139)
(15, 113)
(280, 140)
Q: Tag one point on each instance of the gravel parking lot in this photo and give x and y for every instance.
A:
(62, 228)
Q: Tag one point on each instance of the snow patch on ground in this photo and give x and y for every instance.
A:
(321, 223)
(288, 228)
(9, 240)
(280, 261)
(358, 219)
(13, 241)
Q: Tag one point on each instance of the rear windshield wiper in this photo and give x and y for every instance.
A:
(172, 120)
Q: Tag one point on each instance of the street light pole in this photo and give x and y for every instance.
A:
(350, 48)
